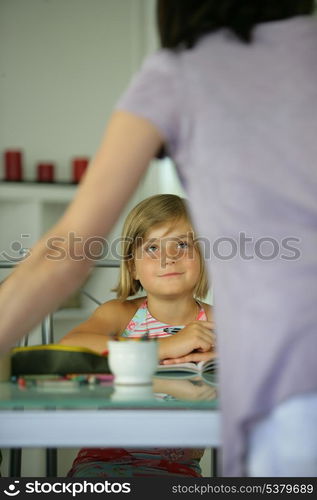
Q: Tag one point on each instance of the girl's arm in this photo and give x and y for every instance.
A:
(195, 342)
(98, 329)
(46, 278)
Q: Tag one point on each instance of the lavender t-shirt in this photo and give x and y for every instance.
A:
(240, 122)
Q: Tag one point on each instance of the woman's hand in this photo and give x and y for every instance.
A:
(197, 337)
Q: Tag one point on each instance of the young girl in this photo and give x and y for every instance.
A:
(161, 257)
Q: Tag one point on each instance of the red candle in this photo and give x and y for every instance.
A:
(79, 167)
(13, 165)
(45, 172)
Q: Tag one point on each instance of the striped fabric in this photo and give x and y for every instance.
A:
(143, 322)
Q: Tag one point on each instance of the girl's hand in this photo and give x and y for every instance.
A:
(194, 356)
(196, 336)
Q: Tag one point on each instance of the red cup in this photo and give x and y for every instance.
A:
(13, 165)
(79, 166)
(45, 172)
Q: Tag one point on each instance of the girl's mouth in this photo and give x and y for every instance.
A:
(170, 274)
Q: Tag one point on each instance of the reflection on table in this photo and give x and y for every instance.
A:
(42, 392)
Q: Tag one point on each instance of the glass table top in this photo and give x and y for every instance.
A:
(166, 392)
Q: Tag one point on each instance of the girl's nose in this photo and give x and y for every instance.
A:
(168, 257)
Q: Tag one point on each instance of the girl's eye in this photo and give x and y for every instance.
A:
(151, 248)
(183, 244)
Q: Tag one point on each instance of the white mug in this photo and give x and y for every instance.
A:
(133, 361)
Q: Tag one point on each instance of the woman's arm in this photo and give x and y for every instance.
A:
(42, 282)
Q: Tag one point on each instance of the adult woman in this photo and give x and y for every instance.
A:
(237, 118)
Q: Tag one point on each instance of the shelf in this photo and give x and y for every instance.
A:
(33, 191)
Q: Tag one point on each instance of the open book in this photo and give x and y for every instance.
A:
(187, 369)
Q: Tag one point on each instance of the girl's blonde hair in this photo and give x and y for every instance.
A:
(152, 211)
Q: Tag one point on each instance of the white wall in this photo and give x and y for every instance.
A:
(64, 64)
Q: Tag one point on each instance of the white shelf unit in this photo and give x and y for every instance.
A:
(27, 211)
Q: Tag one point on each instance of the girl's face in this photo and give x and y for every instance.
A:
(166, 262)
